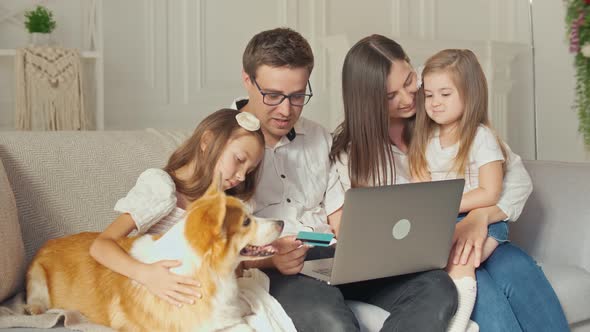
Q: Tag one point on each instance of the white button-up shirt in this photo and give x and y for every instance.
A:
(297, 184)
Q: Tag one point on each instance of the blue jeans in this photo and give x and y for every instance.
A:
(514, 295)
(498, 230)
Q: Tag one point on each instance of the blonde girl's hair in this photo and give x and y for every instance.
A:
(467, 75)
(222, 126)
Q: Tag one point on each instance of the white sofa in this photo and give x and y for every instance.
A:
(555, 229)
(58, 183)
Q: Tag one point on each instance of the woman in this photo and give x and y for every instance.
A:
(379, 87)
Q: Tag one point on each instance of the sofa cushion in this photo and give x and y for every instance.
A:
(572, 286)
(554, 227)
(11, 244)
(369, 316)
(69, 182)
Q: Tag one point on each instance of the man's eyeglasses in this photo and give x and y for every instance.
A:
(275, 98)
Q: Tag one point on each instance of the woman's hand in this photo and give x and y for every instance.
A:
(470, 235)
(334, 221)
(290, 255)
(168, 286)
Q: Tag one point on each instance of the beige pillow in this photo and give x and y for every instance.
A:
(12, 259)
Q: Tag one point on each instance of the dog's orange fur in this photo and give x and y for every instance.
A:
(63, 274)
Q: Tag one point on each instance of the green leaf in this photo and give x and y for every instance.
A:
(40, 20)
(582, 66)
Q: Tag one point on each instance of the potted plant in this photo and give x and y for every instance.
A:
(40, 24)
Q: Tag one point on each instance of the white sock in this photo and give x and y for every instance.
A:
(467, 291)
(472, 327)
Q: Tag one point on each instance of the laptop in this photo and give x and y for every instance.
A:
(392, 230)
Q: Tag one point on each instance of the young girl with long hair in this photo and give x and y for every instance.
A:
(452, 139)
(227, 143)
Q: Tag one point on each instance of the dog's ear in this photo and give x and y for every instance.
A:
(206, 216)
(215, 198)
(215, 186)
(205, 219)
(216, 210)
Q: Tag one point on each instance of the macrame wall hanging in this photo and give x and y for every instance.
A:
(49, 94)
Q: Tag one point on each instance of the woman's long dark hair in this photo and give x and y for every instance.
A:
(364, 133)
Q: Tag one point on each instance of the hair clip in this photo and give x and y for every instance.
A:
(248, 121)
(419, 76)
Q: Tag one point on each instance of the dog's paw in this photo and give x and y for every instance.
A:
(34, 309)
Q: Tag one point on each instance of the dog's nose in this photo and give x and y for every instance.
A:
(280, 224)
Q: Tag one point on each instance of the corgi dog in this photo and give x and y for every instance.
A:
(216, 235)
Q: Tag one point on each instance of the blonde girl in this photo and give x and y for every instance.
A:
(453, 139)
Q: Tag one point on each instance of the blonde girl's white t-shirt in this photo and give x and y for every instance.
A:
(484, 149)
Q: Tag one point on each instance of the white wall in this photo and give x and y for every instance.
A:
(169, 63)
(173, 62)
(557, 122)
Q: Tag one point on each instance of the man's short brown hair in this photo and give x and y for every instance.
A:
(280, 47)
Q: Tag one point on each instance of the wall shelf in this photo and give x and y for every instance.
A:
(92, 48)
(84, 54)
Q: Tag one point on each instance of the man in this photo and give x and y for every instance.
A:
(298, 186)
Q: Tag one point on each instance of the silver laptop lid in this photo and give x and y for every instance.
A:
(393, 230)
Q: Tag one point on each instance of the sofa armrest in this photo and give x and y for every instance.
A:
(555, 224)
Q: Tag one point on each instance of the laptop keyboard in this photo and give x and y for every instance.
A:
(326, 272)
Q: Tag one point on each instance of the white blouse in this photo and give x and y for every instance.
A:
(152, 202)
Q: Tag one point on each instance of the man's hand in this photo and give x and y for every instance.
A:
(290, 255)
(470, 235)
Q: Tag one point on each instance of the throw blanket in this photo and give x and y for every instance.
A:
(266, 313)
(49, 93)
